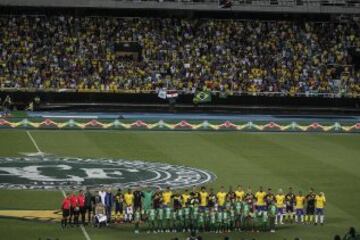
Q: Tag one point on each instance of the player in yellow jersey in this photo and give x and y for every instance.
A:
(129, 202)
(204, 198)
(239, 193)
(166, 197)
(299, 207)
(221, 198)
(320, 202)
(280, 207)
(185, 197)
(260, 200)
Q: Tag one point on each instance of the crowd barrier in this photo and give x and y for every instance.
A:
(24, 98)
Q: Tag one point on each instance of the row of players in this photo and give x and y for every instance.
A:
(237, 216)
(149, 205)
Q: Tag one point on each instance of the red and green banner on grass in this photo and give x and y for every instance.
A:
(182, 125)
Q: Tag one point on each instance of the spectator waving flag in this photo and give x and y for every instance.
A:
(172, 94)
(202, 97)
(167, 94)
(162, 93)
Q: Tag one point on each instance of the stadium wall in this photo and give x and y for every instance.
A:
(89, 101)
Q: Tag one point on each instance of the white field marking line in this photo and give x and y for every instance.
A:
(34, 142)
(86, 235)
(63, 192)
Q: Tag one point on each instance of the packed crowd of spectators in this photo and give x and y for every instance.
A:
(67, 52)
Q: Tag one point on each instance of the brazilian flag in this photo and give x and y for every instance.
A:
(202, 97)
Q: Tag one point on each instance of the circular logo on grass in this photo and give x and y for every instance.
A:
(69, 172)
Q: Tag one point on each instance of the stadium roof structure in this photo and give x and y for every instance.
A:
(270, 6)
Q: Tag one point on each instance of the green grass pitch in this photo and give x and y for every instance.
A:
(327, 162)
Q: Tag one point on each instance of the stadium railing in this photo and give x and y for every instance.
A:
(182, 92)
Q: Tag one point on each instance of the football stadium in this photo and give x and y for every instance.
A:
(179, 119)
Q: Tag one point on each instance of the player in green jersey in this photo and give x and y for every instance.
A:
(160, 220)
(187, 219)
(228, 204)
(168, 216)
(265, 221)
(212, 223)
(238, 209)
(201, 222)
(147, 199)
(272, 216)
(137, 219)
(206, 219)
(226, 220)
(180, 220)
(173, 221)
(232, 219)
(246, 217)
(257, 224)
(151, 218)
(219, 221)
(194, 217)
